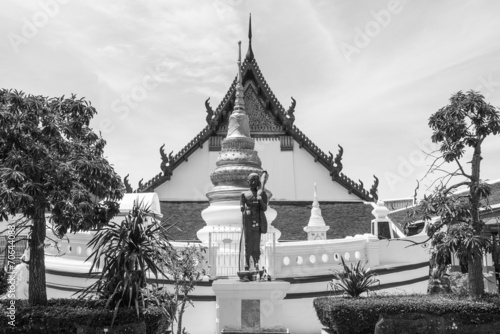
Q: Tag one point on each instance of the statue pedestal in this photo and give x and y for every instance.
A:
(249, 306)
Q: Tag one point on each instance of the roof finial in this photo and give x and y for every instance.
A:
(250, 52)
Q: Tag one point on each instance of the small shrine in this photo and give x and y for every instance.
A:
(316, 227)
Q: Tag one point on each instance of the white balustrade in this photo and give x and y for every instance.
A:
(304, 258)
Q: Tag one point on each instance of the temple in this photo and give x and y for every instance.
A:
(317, 217)
(293, 161)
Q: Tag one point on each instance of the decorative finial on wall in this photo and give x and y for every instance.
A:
(250, 52)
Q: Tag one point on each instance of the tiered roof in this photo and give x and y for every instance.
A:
(274, 121)
(405, 215)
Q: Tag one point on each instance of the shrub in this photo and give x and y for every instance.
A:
(3, 281)
(359, 315)
(183, 270)
(63, 315)
(459, 283)
(353, 280)
(127, 251)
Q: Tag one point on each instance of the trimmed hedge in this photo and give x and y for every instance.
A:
(62, 316)
(359, 315)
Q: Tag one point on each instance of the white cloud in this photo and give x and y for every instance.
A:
(376, 106)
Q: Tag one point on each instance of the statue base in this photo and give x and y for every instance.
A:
(250, 275)
(249, 306)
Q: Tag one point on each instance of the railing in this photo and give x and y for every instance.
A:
(311, 258)
(224, 252)
(73, 247)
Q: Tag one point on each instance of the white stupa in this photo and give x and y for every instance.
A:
(316, 228)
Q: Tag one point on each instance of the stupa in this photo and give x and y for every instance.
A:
(316, 228)
(237, 159)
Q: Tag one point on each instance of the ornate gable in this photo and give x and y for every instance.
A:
(268, 118)
(262, 122)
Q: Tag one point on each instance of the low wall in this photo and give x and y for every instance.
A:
(401, 266)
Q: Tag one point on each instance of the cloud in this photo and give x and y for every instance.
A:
(376, 106)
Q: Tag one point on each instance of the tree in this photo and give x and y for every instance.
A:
(464, 123)
(52, 164)
(184, 270)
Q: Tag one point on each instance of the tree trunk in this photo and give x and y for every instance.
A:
(475, 260)
(476, 282)
(37, 286)
(181, 313)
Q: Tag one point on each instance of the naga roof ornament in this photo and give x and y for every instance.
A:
(336, 164)
(374, 190)
(167, 163)
(128, 187)
(212, 123)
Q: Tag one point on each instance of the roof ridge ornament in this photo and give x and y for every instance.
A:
(249, 55)
(128, 187)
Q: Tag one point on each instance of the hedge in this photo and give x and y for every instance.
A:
(360, 315)
(63, 315)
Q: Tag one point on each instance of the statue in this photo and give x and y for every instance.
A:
(253, 204)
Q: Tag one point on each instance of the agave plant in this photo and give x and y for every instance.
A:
(125, 252)
(354, 279)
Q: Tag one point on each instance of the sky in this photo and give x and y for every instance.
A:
(365, 74)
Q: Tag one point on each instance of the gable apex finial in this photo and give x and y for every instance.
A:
(249, 55)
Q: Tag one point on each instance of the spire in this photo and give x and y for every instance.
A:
(316, 228)
(316, 216)
(249, 56)
(315, 203)
(239, 64)
(239, 104)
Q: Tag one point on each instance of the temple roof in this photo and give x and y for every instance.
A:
(412, 213)
(344, 219)
(268, 119)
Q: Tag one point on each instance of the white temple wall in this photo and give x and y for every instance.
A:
(401, 250)
(291, 175)
(191, 180)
